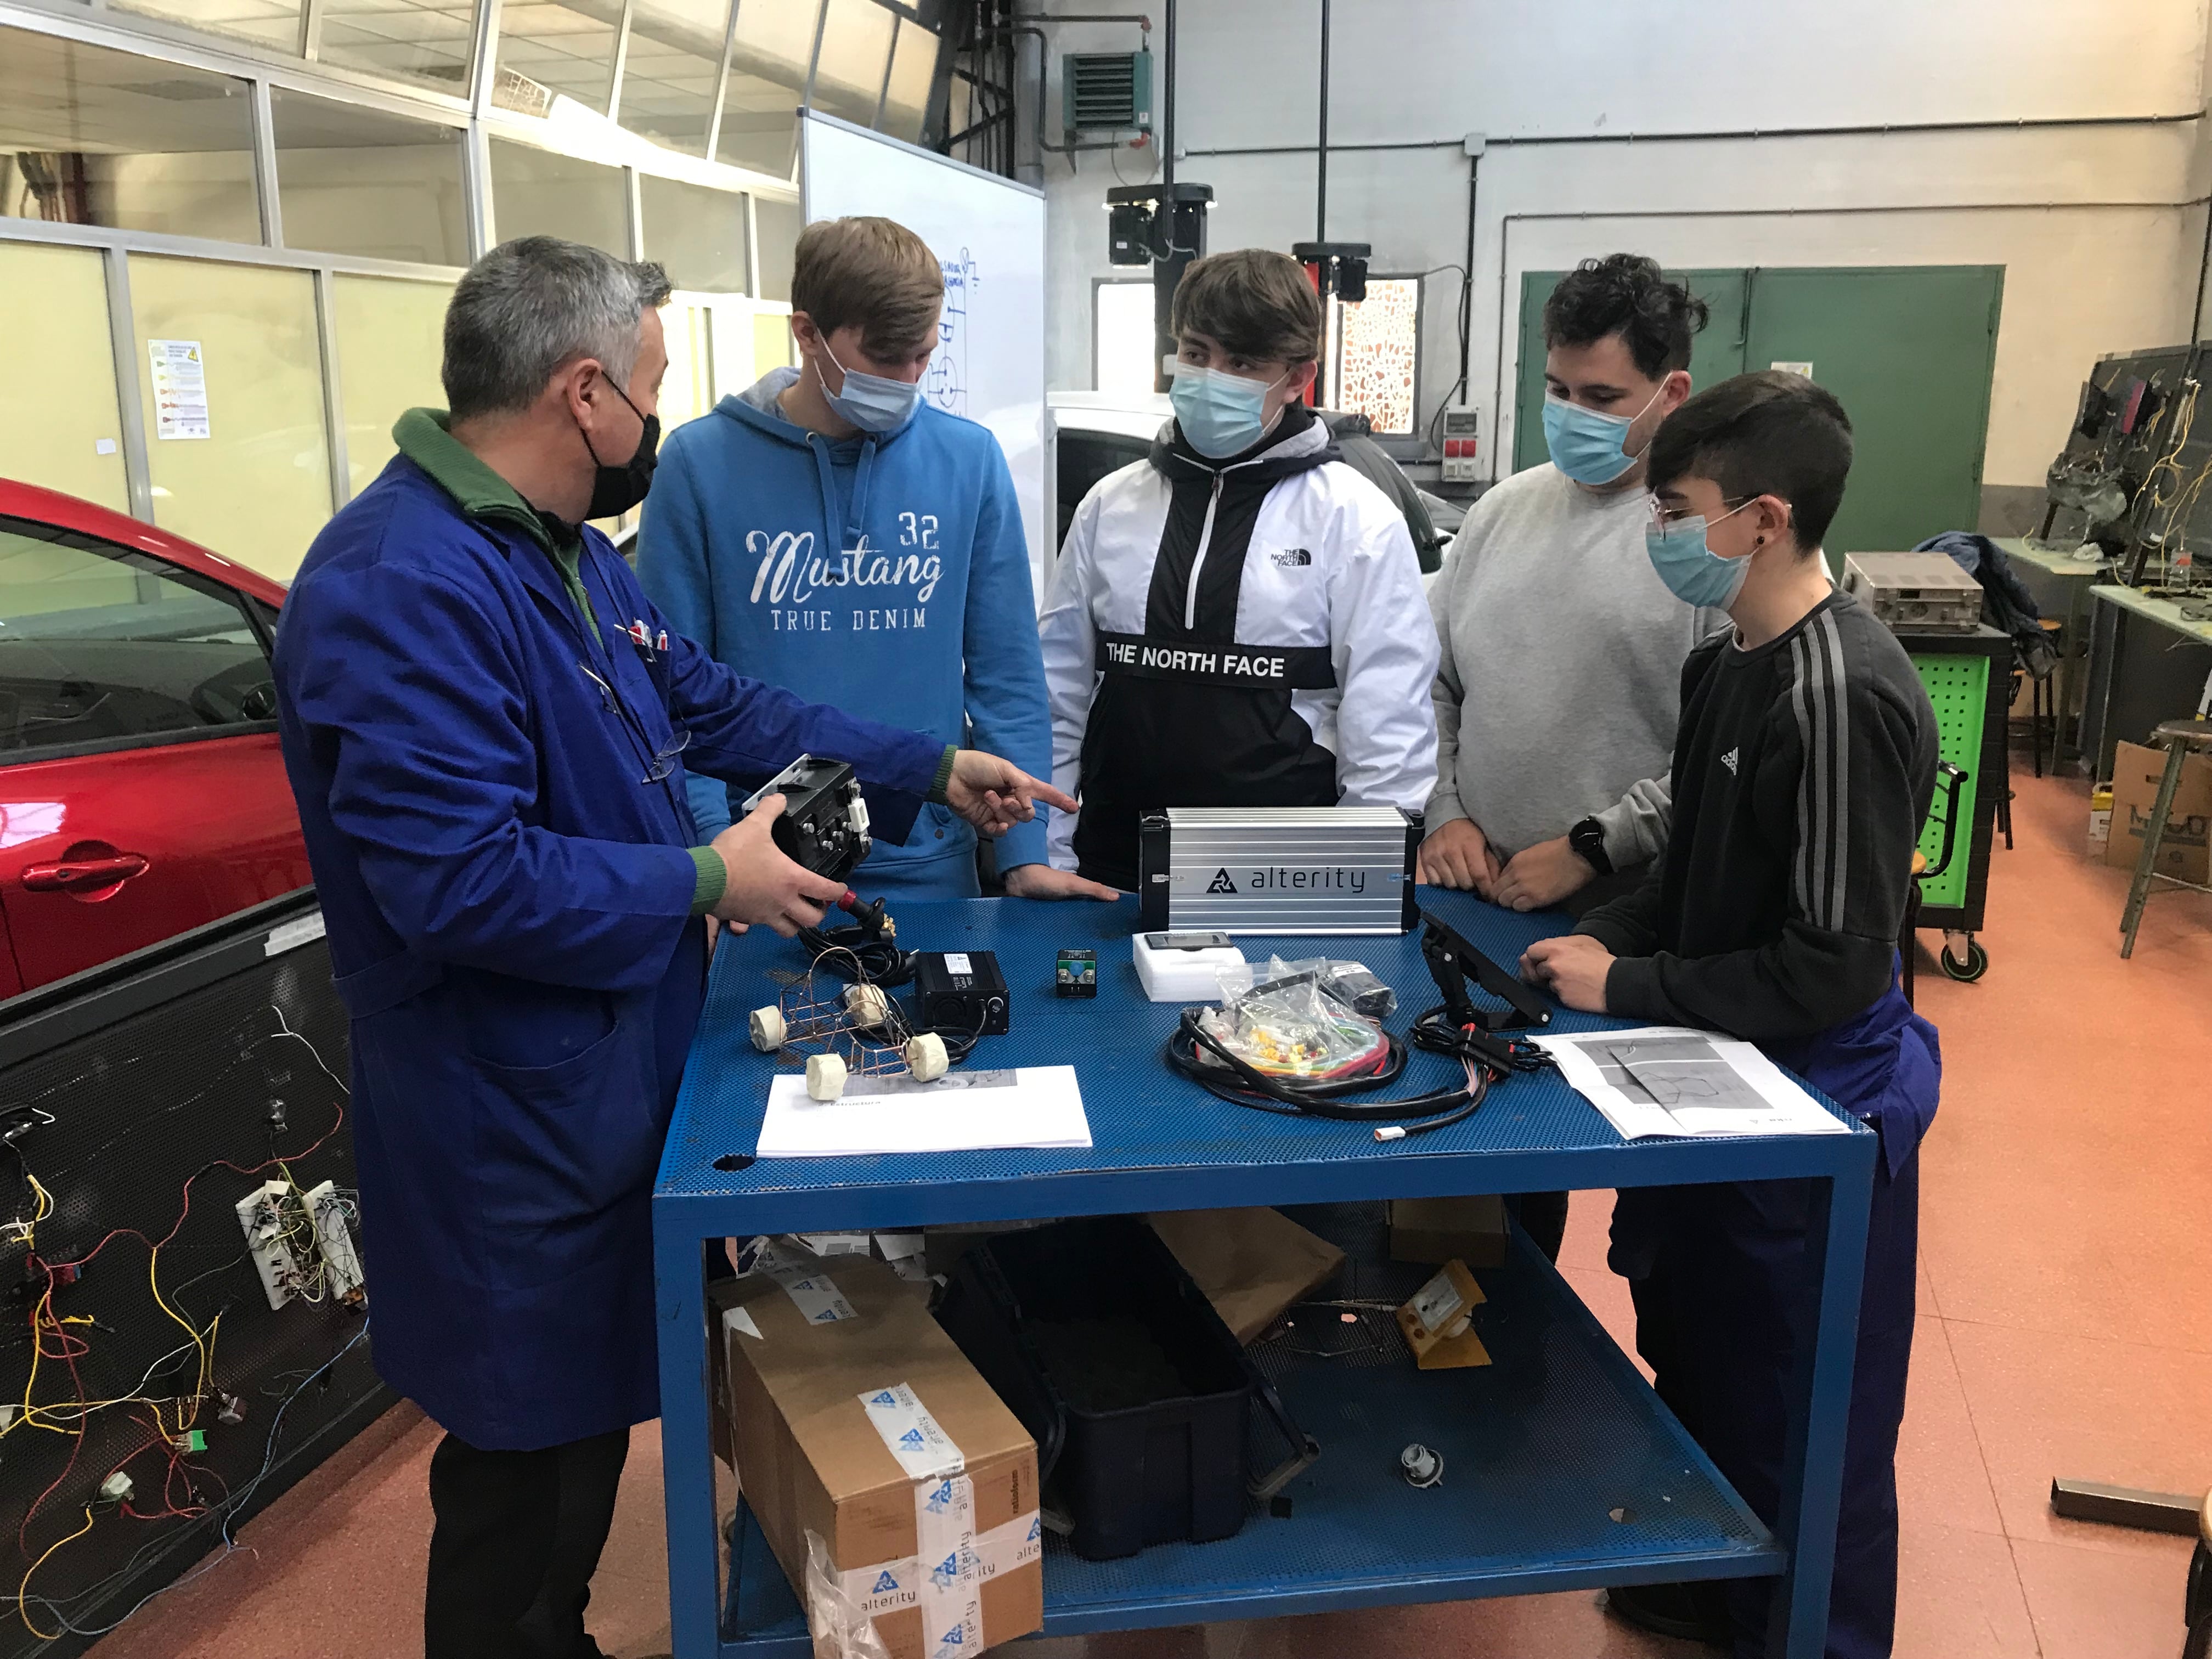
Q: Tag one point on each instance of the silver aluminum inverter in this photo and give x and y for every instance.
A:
(1919, 592)
(1278, 869)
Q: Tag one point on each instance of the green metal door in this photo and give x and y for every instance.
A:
(1909, 351)
(1715, 354)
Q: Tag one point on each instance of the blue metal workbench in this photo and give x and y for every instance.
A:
(1563, 1469)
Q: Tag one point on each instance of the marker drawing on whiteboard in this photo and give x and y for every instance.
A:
(945, 384)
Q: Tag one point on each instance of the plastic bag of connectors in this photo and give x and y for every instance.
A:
(1352, 983)
(1293, 1027)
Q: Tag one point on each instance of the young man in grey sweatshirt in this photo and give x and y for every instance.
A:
(1561, 650)
(1560, 661)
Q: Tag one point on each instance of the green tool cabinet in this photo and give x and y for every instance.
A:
(1969, 680)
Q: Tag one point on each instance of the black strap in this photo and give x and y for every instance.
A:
(1262, 668)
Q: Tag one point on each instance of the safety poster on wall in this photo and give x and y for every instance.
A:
(180, 399)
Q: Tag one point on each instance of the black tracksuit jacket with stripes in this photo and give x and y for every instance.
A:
(1803, 770)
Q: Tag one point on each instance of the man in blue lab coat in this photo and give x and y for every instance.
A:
(487, 726)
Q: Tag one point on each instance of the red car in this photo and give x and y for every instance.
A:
(141, 789)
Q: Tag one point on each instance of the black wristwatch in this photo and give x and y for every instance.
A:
(1588, 838)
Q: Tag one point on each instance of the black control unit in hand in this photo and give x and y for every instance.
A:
(961, 991)
(824, 825)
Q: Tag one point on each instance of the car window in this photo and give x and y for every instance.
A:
(99, 645)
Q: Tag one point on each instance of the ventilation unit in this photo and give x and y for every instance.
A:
(1107, 92)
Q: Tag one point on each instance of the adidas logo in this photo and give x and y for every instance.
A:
(1729, 761)
(1221, 884)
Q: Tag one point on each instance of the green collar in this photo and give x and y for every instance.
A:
(425, 437)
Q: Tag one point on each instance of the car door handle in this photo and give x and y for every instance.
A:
(84, 875)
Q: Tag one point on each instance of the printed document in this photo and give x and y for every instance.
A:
(1670, 1080)
(959, 1112)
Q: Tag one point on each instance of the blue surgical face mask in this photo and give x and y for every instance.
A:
(871, 402)
(1221, 413)
(1695, 574)
(1590, 447)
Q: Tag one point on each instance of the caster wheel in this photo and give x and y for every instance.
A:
(1976, 965)
(825, 1077)
(767, 1028)
(926, 1057)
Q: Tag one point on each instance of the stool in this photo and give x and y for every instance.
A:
(2179, 738)
(2042, 704)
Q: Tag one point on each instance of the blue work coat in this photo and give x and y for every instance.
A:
(509, 912)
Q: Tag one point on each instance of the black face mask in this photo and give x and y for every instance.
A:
(618, 489)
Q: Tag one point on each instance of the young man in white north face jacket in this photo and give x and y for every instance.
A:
(1236, 620)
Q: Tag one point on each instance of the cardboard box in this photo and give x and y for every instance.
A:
(1431, 1231)
(1439, 1322)
(2182, 853)
(1254, 1265)
(823, 1374)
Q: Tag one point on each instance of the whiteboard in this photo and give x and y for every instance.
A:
(988, 233)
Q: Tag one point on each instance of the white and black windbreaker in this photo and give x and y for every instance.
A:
(1247, 633)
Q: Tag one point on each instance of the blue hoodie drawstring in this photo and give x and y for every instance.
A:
(859, 514)
(820, 447)
(861, 477)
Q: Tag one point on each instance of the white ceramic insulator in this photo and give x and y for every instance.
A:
(868, 1005)
(768, 1030)
(825, 1077)
(926, 1057)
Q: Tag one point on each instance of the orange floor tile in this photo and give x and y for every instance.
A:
(2065, 1329)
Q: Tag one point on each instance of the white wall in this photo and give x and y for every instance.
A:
(2100, 229)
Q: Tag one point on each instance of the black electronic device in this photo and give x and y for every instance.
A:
(961, 991)
(1452, 961)
(1337, 268)
(824, 825)
(1129, 234)
(1075, 973)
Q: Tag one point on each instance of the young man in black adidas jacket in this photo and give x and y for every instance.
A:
(1803, 767)
(1236, 620)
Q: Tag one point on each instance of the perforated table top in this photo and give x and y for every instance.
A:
(1158, 1140)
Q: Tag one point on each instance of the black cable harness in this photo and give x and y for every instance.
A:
(876, 956)
(867, 953)
(1455, 1028)
(1223, 1075)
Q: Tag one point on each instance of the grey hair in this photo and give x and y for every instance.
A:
(534, 304)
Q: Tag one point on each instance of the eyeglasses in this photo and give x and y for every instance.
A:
(1664, 517)
(663, 763)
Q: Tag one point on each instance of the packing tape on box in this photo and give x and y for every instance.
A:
(814, 1294)
(890, 1585)
(948, 1576)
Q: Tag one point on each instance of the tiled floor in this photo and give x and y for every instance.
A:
(2065, 1329)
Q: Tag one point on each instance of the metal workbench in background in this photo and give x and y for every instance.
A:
(1564, 1470)
(2060, 582)
(2147, 660)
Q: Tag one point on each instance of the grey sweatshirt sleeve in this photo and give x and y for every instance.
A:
(1636, 826)
(1449, 691)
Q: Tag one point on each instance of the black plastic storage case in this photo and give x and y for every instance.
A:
(1152, 1473)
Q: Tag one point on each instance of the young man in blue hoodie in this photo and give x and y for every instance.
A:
(836, 535)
